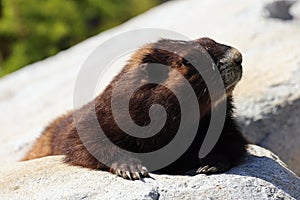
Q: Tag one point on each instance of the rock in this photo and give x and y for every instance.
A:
(268, 97)
(280, 9)
(261, 175)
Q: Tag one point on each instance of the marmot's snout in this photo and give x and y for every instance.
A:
(230, 67)
(227, 59)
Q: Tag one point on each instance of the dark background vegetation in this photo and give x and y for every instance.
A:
(31, 30)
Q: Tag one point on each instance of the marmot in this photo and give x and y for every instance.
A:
(61, 136)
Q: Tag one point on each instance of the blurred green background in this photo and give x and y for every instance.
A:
(31, 30)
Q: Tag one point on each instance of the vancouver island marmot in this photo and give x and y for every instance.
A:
(61, 136)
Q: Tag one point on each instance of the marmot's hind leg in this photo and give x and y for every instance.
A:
(52, 139)
(41, 148)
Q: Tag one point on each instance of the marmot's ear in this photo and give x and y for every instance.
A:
(156, 73)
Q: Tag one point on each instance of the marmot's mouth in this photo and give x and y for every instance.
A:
(231, 77)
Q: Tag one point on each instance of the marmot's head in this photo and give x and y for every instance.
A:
(183, 55)
(227, 59)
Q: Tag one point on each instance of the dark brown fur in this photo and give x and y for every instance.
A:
(61, 137)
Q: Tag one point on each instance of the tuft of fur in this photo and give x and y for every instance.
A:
(61, 136)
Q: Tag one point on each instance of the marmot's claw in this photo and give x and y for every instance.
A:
(214, 169)
(144, 172)
(212, 164)
(210, 169)
(127, 175)
(136, 176)
(202, 169)
(129, 171)
(118, 172)
(130, 175)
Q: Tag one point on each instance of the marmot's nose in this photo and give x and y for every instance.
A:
(234, 56)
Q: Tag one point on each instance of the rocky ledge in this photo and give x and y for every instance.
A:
(261, 175)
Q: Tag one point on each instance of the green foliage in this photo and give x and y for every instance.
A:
(31, 30)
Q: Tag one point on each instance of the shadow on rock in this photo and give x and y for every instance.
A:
(280, 9)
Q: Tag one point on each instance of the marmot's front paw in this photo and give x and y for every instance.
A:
(132, 169)
(214, 163)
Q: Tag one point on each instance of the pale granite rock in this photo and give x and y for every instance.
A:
(261, 175)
